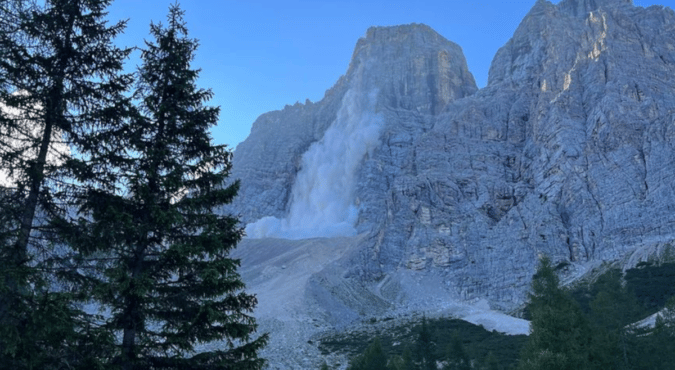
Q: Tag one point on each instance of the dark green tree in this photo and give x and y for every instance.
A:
(149, 228)
(425, 351)
(612, 309)
(665, 321)
(457, 358)
(373, 358)
(60, 76)
(403, 362)
(657, 350)
(560, 335)
(652, 283)
(491, 362)
(408, 362)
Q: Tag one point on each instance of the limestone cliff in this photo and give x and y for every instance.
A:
(569, 151)
(410, 68)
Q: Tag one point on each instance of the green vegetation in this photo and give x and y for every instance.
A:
(128, 223)
(588, 327)
(60, 76)
(560, 335)
(373, 358)
(600, 332)
(401, 344)
(457, 358)
(426, 351)
(652, 284)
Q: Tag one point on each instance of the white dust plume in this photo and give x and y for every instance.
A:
(323, 199)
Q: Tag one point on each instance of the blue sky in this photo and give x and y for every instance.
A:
(258, 56)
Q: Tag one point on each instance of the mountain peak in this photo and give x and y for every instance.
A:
(580, 8)
(389, 33)
(412, 66)
(400, 41)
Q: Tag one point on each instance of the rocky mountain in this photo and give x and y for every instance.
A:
(441, 192)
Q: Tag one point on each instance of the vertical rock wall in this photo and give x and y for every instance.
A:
(567, 152)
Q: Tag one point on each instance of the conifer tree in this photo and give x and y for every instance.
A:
(62, 77)
(373, 358)
(660, 343)
(560, 336)
(612, 309)
(457, 358)
(59, 77)
(403, 362)
(149, 228)
(426, 357)
(491, 362)
(407, 360)
(665, 320)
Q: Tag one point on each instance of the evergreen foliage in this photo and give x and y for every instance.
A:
(600, 315)
(400, 343)
(611, 309)
(491, 362)
(610, 336)
(560, 335)
(657, 350)
(63, 78)
(148, 230)
(60, 76)
(426, 357)
(652, 284)
(403, 362)
(457, 357)
(372, 359)
(612, 285)
(142, 238)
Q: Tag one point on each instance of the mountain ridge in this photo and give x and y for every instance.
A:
(567, 152)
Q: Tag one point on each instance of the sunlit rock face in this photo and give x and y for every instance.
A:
(568, 152)
(300, 167)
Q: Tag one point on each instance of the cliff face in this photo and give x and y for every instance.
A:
(408, 68)
(569, 152)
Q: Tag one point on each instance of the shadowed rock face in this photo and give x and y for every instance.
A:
(568, 152)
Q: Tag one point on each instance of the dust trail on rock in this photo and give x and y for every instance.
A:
(323, 199)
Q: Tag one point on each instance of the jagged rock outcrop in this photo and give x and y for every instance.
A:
(410, 68)
(569, 152)
(566, 152)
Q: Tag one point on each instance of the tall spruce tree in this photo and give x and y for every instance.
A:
(658, 348)
(457, 357)
(425, 351)
(150, 230)
(373, 358)
(59, 77)
(613, 308)
(402, 362)
(560, 336)
(491, 362)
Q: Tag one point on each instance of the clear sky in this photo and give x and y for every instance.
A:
(259, 55)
